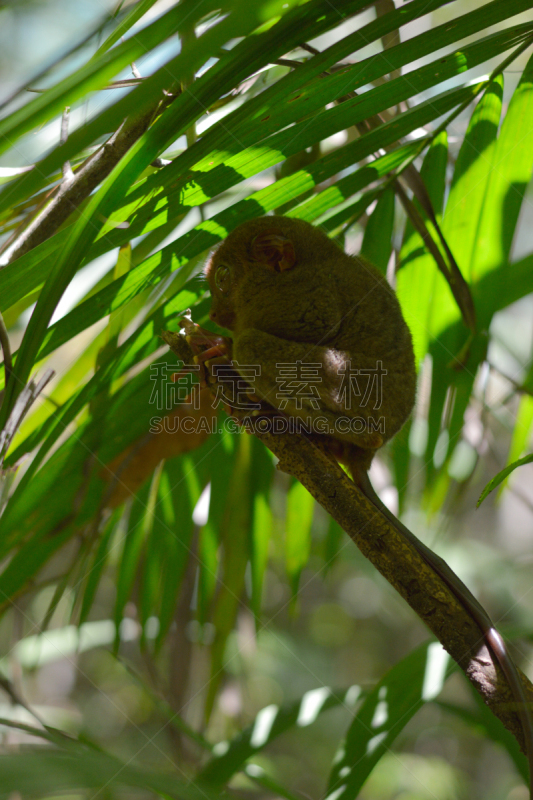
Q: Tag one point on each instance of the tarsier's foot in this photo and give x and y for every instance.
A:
(239, 399)
(208, 360)
(216, 369)
(208, 348)
(213, 354)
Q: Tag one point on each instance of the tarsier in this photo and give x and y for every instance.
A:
(290, 296)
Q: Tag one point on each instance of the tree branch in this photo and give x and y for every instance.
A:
(403, 567)
(68, 196)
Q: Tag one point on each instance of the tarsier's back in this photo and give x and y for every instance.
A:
(325, 329)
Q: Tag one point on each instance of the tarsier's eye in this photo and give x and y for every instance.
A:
(223, 279)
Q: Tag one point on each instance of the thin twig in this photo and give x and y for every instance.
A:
(67, 197)
(25, 400)
(286, 62)
(519, 387)
(67, 169)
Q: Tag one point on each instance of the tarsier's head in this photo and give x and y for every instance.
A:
(255, 258)
(254, 251)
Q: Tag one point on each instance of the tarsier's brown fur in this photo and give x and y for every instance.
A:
(289, 294)
(292, 295)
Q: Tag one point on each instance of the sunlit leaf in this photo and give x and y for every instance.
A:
(492, 484)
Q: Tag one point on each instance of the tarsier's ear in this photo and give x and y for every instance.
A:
(274, 250)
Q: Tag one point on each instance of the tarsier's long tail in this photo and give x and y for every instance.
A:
(491, 636)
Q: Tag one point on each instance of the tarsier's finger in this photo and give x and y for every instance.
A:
(211, 353)
(194, 329)
(208, 365)
(212, 365)
(202, 339)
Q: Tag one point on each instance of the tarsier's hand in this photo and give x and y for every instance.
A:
(209, 351)
(213, 354)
